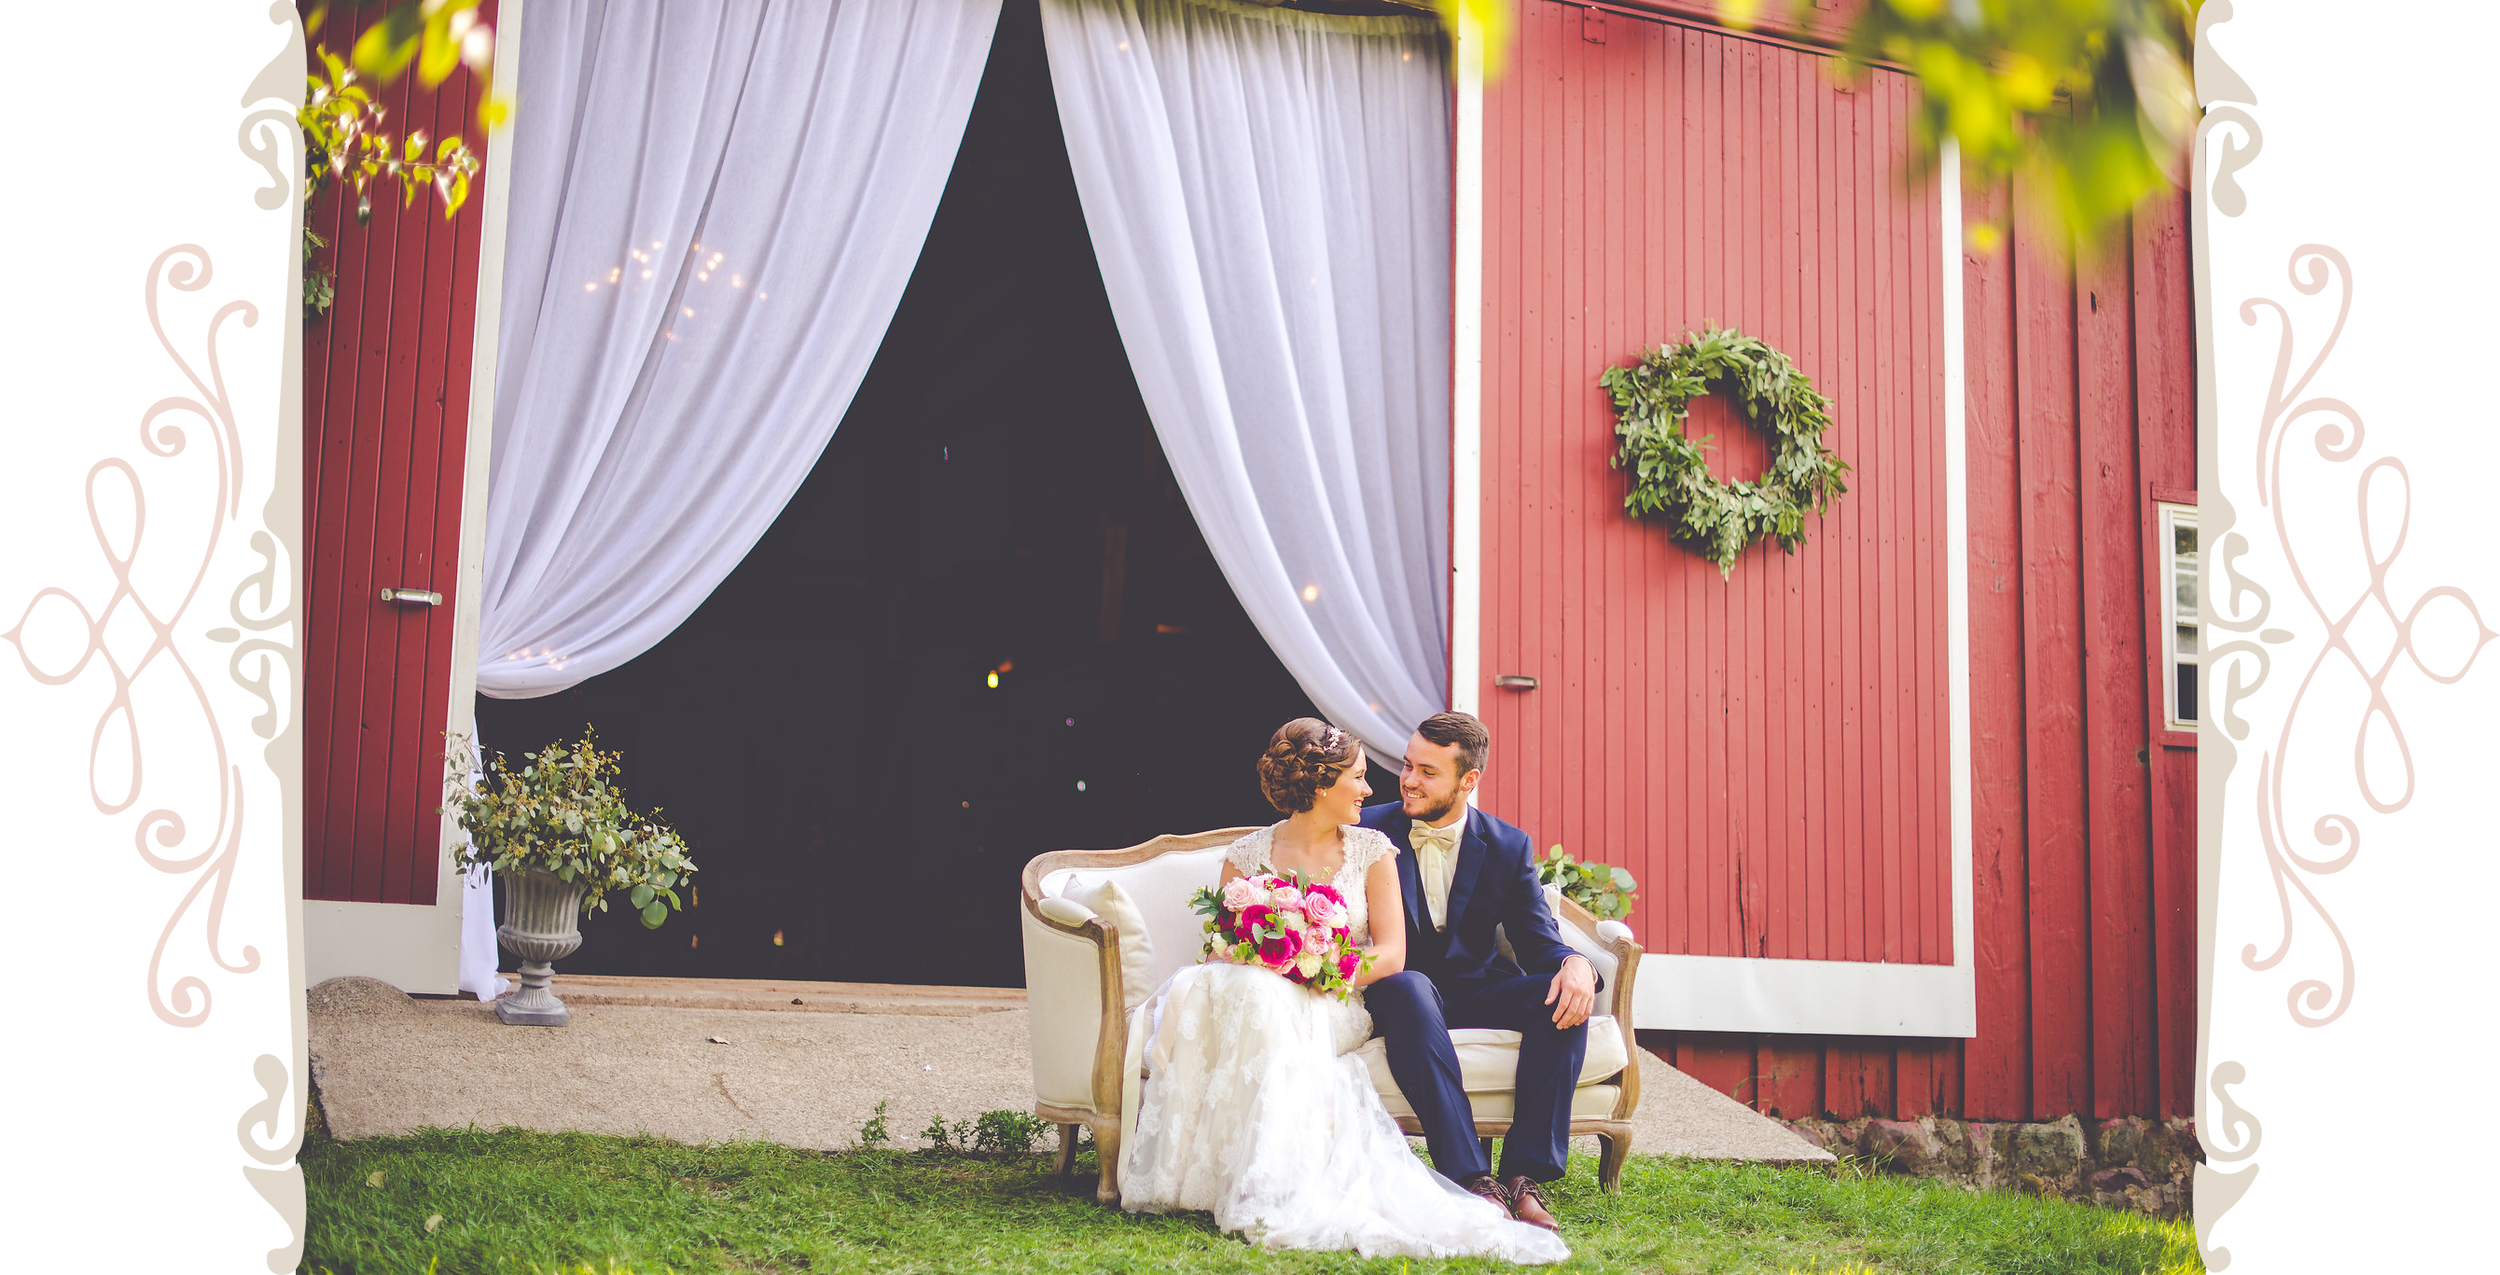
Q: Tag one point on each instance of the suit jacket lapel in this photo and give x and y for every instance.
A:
(1410, 879)
(1471, 854)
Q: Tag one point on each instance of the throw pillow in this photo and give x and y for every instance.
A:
(1137, 952)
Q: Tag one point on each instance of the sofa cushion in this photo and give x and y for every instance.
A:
(1488, 1058)
(1105, 898)
(1587, 1102)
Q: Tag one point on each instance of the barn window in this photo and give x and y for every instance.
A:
(2178, 538)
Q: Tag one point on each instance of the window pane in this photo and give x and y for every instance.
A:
(2187, 692)
(2183, 570)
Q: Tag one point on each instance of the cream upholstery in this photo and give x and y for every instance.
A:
(1588, 1102)
(1488, 1058)
(1076, 965)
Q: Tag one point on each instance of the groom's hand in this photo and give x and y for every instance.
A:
(1574, 992)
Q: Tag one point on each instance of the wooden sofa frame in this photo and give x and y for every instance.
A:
(1613, 1131)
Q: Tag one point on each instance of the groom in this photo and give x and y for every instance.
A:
(1464, 873)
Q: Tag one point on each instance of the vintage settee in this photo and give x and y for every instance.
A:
(1085, 978)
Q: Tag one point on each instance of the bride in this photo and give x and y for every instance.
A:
(1254, 1108)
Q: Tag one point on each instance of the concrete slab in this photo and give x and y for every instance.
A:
(781, 995)
(632, 1062)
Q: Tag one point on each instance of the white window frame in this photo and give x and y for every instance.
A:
(2171, 518)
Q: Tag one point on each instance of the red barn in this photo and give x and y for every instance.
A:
(1911, 809)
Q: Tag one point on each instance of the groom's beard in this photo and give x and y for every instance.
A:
(1434, 814)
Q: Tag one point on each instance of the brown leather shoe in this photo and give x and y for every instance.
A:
(1527, 1203)
(1483, 1185)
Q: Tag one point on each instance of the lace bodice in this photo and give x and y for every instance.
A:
(1363, 848)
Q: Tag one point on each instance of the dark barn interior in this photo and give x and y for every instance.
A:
(985, 627)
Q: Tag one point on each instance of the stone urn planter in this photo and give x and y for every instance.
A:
(542, 925)
(558, 812)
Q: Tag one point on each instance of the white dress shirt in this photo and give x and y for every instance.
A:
(1436, 862)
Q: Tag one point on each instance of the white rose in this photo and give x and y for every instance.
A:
(1290, 920)
(1308, 962)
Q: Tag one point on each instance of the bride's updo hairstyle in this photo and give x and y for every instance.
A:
(1303, 757)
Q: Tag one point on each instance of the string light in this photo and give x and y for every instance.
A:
(1310, 593)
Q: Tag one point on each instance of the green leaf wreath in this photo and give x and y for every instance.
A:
(1670, 474)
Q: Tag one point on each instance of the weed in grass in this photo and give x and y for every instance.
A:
(948, 1141)
(872, 1134)
(1007, 1132)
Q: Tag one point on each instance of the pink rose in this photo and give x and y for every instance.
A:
(1286, 896)
(1252, 918)
(1348, 964)
(1321, 913)
(1328, 892)
(1280, 951)
(1240, 893)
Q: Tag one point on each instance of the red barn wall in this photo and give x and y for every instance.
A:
(386, 410)
(1768, 754)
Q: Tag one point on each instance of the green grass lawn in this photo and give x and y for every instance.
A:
(474, 1201)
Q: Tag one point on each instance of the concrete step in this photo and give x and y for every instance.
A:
(784, 995)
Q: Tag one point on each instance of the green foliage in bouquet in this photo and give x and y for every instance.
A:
(1604, 890)
(562, 812)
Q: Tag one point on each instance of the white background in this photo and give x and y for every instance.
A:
(123, 1127)
(2367, 148)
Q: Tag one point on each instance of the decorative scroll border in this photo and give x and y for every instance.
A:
(2235, 1137)
(186, 267)
(270, 136)
(2316, 1000)
(261, 613)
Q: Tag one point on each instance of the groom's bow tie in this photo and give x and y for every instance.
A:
(1427, 839)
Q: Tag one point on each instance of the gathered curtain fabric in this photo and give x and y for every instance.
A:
(1268, 195)
(714, 208)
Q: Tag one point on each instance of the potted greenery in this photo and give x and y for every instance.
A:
(557, 830)
(1604, 890)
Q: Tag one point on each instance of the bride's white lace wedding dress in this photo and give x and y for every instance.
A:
(1255, 1111)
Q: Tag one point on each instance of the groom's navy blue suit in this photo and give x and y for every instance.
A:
(1457, 977)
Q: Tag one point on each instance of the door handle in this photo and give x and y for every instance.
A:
(413, 597)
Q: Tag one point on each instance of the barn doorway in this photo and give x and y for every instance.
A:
(985, 627)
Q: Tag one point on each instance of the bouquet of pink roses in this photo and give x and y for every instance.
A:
(1275, 921)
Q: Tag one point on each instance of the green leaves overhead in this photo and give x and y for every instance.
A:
(1670, 470)
(559, 811)
(2090, 101)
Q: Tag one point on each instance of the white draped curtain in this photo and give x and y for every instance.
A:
(1268, 194)
(714, 208)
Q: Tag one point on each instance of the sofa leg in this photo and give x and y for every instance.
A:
(1067, 1150)
(1107, 1150)
(1613, 1150)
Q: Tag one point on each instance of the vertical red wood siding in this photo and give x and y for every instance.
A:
(1769, 754)
(386, 403)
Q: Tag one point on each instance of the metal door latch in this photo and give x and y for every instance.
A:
(1514, 682)
(413, 597)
